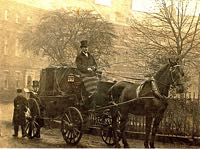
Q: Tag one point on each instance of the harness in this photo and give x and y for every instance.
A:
(154, 85)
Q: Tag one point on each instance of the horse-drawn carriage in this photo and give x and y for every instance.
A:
(64, 99)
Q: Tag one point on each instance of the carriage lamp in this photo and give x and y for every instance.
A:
(70, 78)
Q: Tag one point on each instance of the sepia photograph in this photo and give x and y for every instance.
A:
(100, 74)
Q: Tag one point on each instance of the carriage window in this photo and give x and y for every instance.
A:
(104, 2)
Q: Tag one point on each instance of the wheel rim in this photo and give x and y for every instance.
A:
(107, 132)
(71, 126)
(107, 135)
(31, 123)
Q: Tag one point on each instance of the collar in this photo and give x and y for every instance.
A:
(85, 53)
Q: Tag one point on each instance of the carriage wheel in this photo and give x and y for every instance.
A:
(31, 123)
(107, 132)
(71, 126)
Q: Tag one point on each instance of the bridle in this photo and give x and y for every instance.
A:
(154, 82)
(172, 69)
(174, 81)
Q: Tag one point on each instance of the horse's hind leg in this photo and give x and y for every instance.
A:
(155, 129)
(123, 123)
(147, 130)
(114, 126)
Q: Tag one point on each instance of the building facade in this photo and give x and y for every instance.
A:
(17, 68)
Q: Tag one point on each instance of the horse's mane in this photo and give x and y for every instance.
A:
(161, 71)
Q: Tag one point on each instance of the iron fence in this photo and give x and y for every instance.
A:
(182, 118)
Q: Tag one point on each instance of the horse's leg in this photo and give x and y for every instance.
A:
(123, 123)
(147, 130)
(114, 126)
(155, 129)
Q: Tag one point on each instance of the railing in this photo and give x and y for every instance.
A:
(182, 118)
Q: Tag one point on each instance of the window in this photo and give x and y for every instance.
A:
(6, 78)
(104, 2)
(17, 49)
(28, 53)
(6, 15)
(18, 79)
(17, 18)
(29, 19)
(144, 5)
(5, 46)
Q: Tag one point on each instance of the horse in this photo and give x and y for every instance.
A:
(139, 103)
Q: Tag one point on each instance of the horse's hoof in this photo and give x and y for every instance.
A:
(126, 146)
(152, 145)
(117, 145)
(146, 145)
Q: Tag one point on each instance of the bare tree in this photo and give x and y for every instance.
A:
(168, 32)
(59, 32)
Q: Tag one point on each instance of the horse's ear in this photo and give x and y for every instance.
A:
(169, 60)
(173, 61)
(177, 60)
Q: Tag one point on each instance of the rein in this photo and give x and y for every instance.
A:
(132, 78)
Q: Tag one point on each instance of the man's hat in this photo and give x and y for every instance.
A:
(83, 43)
(19, 90)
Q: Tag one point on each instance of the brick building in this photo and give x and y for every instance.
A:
(17, 68)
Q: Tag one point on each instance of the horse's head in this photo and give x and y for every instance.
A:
(176, 74)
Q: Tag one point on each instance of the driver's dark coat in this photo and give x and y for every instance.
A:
(83, 62)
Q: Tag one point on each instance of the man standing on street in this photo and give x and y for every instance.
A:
(20, 104)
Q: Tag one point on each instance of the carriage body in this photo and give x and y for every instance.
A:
(60, 88)
(62, 94)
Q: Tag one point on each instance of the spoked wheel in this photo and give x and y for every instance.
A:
(31, 128)
(107, 131)
(71, 126)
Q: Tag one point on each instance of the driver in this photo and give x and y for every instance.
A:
(87, 65)
(85, 62)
